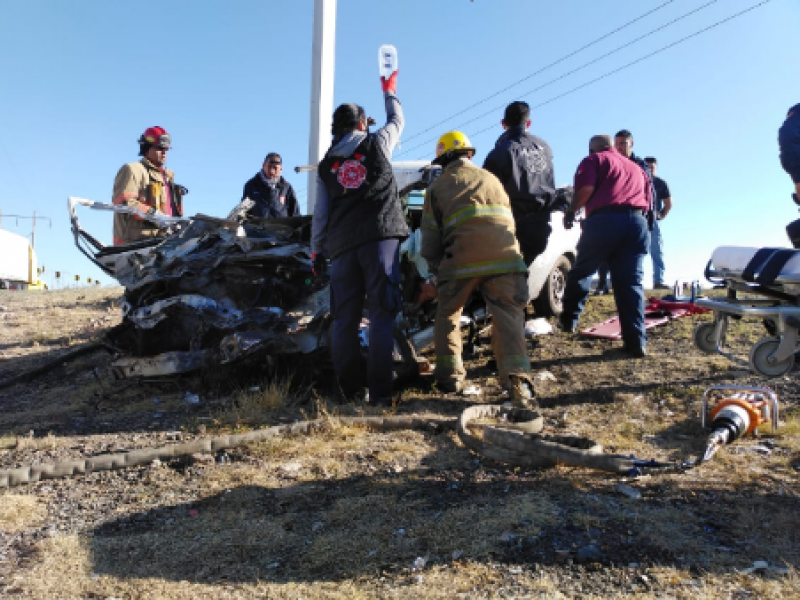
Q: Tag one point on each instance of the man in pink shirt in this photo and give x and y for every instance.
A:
(614, 192)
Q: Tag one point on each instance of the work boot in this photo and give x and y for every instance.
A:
(521, 391)
(450, 386)
(661, 286)
(386, 401)
(635, 350)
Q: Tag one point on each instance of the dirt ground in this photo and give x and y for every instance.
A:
(348, 513)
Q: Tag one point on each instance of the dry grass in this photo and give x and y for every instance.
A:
(18, 513)
(347, 513)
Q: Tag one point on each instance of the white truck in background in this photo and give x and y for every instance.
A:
(18, 267)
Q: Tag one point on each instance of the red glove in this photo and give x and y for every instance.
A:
(390, 85)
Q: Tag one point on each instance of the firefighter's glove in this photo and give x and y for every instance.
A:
(319, 265)
(390, 85)
(569, 219)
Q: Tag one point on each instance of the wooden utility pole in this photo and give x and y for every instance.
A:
(34, 218)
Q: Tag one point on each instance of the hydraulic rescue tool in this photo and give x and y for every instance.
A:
(733, 411)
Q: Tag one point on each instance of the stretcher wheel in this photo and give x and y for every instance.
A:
(760, 353)
(704, 338)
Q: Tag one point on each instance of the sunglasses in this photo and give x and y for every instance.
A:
(274, 162)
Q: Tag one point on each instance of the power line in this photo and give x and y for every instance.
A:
(581, 67)
(641, 59)
(603, 76)
(543, 69)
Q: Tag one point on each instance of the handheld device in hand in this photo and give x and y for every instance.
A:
(387, 60)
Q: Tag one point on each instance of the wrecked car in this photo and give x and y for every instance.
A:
(218, 291)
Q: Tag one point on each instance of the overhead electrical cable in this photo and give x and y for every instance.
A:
(493, 111)
(543, 69)
(638, 60)
(603, 76)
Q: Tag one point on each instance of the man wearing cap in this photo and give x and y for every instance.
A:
(148, 187)
(662, 207)
(359, 223)
(524, 165)
(273, 196)
(469, 242)
(616, 195)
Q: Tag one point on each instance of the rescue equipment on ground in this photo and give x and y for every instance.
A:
(734, 411)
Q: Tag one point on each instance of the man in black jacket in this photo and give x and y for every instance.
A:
(524, 165)
(273, 195)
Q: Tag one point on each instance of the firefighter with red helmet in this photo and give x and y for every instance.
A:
(148, 187)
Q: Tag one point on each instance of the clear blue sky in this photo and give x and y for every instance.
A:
(231, 81)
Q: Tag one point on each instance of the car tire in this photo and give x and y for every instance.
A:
(550, 302)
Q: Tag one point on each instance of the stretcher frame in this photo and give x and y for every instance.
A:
(778, 307)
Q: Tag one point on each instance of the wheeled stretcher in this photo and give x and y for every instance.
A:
(768, 280)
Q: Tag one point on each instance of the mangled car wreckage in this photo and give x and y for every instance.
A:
(218, 291)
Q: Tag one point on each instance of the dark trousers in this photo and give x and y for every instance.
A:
(533, 231)
(622, 240)
(369, 272)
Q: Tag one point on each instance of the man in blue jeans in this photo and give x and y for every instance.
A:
(358, 221)
(615, 193)
(662, 208)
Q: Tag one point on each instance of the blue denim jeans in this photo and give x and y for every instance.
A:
(371, 273)
(657, 254)
(622, 240)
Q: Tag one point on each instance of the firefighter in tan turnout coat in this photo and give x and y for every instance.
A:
(468, 239)
(148, 187)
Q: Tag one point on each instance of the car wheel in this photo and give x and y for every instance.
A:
(550, 302)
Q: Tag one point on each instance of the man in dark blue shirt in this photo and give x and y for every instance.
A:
(789, 142)
(273, 195)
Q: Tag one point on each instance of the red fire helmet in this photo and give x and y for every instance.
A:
(157, 136)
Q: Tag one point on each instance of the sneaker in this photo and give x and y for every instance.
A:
(450, 386)
(661, 286)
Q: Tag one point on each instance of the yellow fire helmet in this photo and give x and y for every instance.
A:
(451, 143)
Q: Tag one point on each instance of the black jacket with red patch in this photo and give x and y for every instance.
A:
(364, 202)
